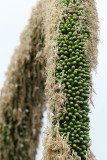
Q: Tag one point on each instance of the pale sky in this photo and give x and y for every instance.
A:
(14, 15)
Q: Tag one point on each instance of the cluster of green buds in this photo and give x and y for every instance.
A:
(73, 69)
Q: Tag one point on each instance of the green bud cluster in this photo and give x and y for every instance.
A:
(74, 71)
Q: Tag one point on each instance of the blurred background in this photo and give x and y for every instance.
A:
(14, 15)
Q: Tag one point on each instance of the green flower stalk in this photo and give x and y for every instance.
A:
(74, 58)
(74, 71)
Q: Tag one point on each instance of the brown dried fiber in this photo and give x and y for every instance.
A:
(24, 88)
